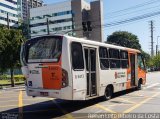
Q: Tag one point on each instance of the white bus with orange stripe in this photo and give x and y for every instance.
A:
(72, 68)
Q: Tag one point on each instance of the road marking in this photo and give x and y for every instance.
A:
(41, 99)
(7, 97)
(8, 106)
(139, 104)
(125, 100)
(10, 101)
(152, 85)
(20, 104)
(105, 108)
(68, 116)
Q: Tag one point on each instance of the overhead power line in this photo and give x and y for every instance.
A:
(120, 22)
(148, 15)
(115, 16)
(134, 7)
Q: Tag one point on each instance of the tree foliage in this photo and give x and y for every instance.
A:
(147, 57)
(125, 39)
(154, 62)
(10, 43)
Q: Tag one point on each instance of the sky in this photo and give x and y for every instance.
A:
(119, 10)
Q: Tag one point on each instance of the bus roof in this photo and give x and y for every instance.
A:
(86, 41)
(91, 42)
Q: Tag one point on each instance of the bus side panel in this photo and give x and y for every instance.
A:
(128, 86)
(79, 85)
(117, 78)
(66, 93)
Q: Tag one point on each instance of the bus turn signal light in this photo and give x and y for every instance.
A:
(64, 78)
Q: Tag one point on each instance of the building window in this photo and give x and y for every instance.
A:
(43, 30)
(5, 19)
(54, 22)
(64, 28)
(10, 14)
(62, 13)
(38, 17)
(34, 32)
(7, 6)
(11, 1)
(103, 55)
(46, 16)
(69, 27)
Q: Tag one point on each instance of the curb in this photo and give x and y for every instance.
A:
(10, 88)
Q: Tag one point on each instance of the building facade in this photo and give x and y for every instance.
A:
(59, 18)
(24, 7)
(68, 17)
(8, 13)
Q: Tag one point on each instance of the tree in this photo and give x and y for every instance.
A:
(2, 46)
(156, 61)
(10, 49)
(147, 58)
(125, 39)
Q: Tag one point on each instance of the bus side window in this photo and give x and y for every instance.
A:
(124, 59)
(77, 56)
(114, 58)
(103, 55)
(141, 62)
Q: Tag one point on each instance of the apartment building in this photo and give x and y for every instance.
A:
(8, 13)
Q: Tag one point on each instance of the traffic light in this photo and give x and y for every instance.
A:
(84, 25)
(89, 25)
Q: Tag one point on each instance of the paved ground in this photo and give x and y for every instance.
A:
(147, 100)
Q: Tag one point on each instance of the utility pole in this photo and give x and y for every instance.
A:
(152, 43)
(48, 26)
(157, 46)
(8, 21)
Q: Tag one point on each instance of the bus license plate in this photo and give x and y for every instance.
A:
(44, 93)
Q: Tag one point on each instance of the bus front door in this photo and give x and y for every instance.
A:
(90, 62)
(132, 63)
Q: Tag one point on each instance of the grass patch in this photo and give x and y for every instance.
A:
(6, 82)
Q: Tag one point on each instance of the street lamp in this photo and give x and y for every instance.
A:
(157, 46)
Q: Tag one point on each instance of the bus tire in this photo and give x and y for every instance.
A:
(139, 87)
(108, 93)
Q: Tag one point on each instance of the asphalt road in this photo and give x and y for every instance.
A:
(16, 104)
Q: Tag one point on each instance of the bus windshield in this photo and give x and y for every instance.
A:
(44, 49)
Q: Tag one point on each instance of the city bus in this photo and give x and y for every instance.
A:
(70, 68)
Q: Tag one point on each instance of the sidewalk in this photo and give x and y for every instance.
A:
(16, 87)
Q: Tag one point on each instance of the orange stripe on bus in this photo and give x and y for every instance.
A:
(52, 75)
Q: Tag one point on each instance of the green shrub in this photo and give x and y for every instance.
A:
(18, 78)
(3, 77)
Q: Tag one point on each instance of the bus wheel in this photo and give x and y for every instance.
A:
(108, 93)
(139, 87)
